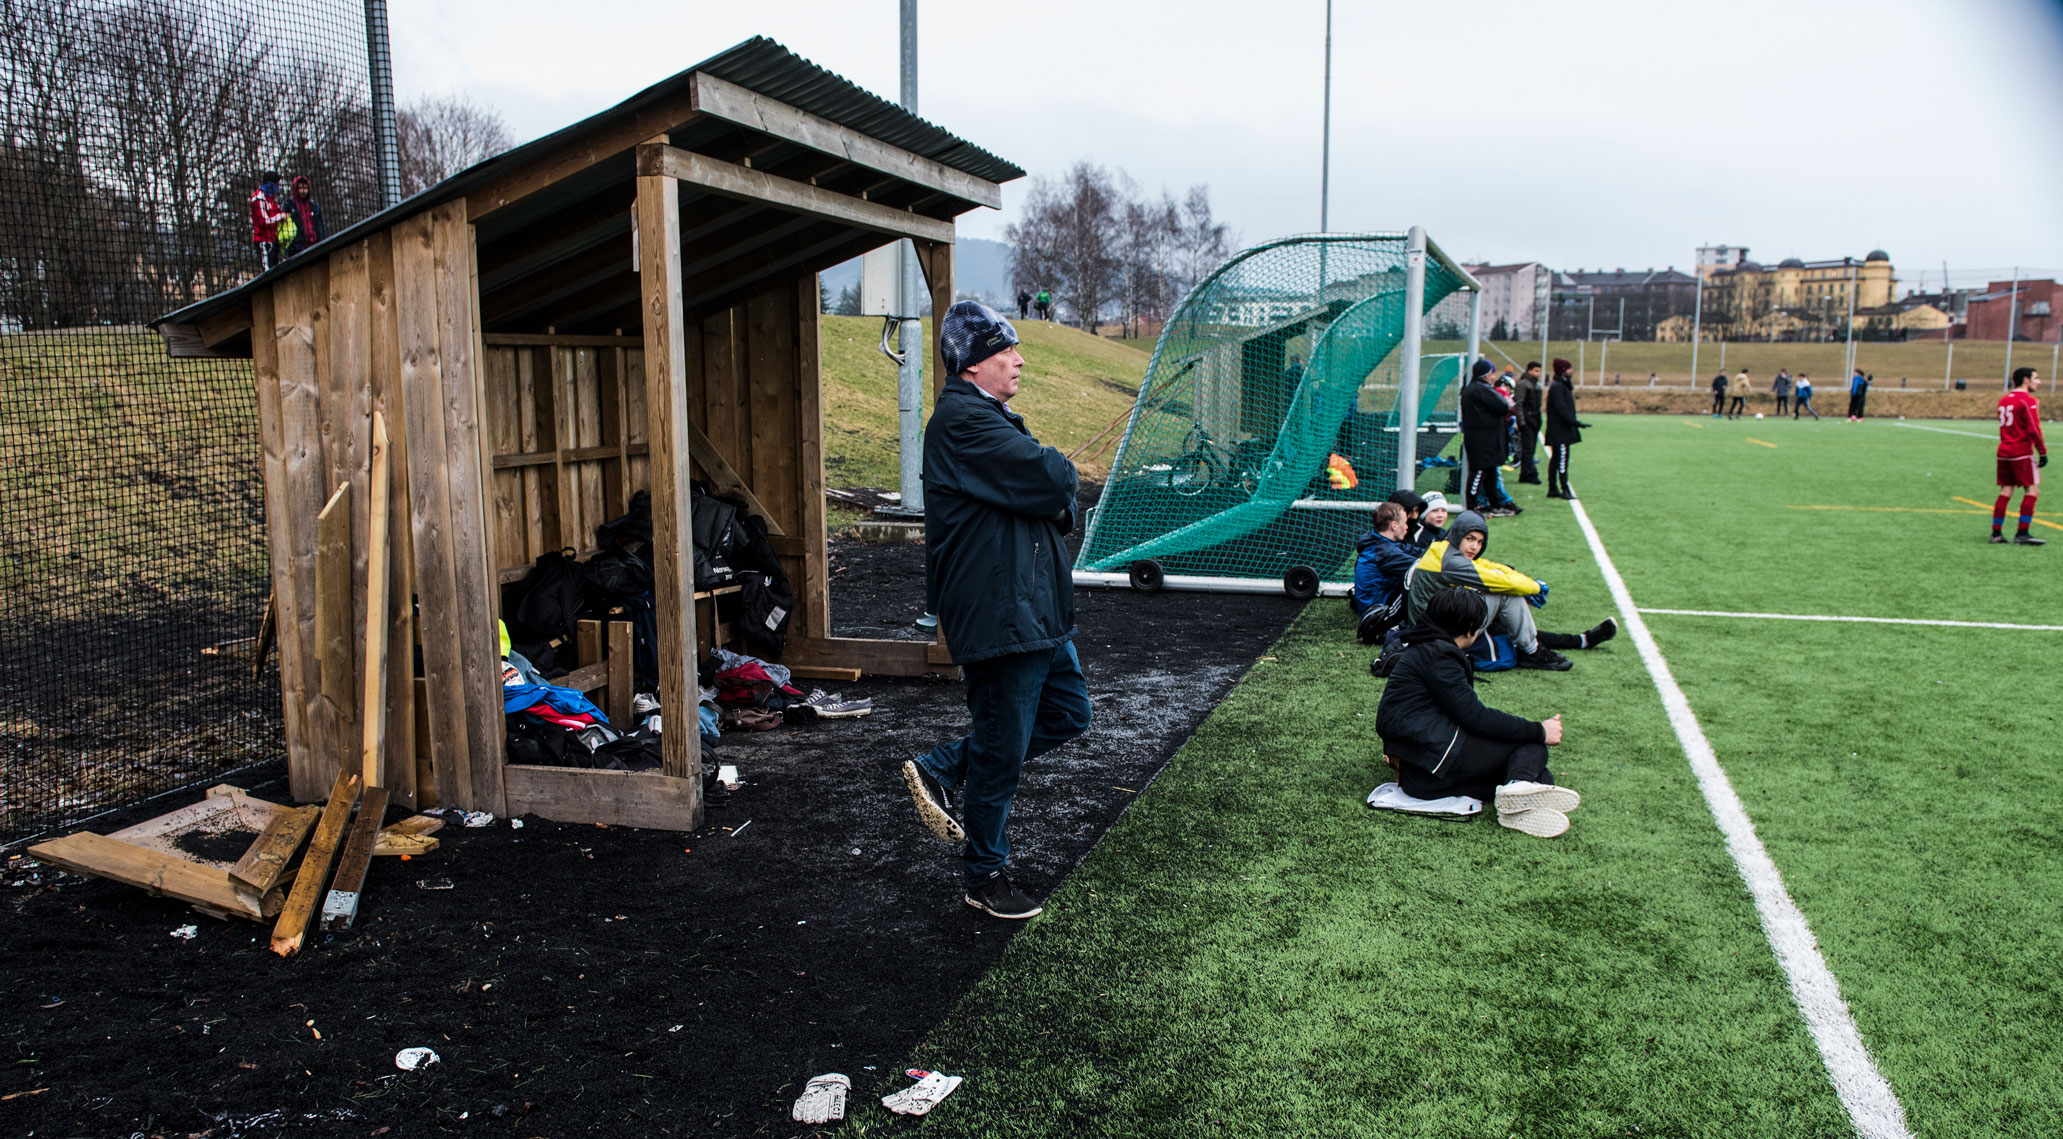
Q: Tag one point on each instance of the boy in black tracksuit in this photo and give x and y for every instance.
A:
(1446, 741)
(1563, 431)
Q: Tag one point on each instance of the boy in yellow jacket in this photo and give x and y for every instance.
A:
(1511, 595)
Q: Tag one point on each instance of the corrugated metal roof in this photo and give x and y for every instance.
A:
(759, 64)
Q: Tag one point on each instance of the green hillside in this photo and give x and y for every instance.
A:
(1074, 385)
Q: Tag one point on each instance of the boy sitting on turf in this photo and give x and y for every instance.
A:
(1379, 572)
(1445, 741)
(1431, 525)
(1510, 596)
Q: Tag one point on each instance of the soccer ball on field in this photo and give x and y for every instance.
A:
(1758, 415)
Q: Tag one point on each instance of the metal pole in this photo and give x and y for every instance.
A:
(1697, 315)
(1850, 375)
(909, 380)
(1475, 328)
(1325, 146)
(1604, 349)
(380, 68)
(1414, 343)
(1948, 370)
(1546, 318)
(2012, 324)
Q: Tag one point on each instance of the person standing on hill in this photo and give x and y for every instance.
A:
(997, 511)
(1804, 401)
(1023, 304)
(1563, 430)
(1740, 396)
(1858, 396)
(1530, 390)
(1719, 395)
(1482, 437)
(1044, 303)
(307, 214)
(2022, 454)
(266, 214)
(1781, 388)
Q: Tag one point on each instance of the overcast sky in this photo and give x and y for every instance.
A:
(1582, 134)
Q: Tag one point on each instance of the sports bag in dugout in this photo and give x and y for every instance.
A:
(544, 605)
(716, 535)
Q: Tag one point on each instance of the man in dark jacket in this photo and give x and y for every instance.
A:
(997, 511)
(1718, 395)
(1380, 565)
(1445, 741)
(1482, 439)
(1563, 430)
(1530, 391)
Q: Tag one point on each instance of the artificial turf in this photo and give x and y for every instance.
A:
(1253, 952)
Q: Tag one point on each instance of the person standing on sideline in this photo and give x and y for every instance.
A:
(2022, 454)
(1740, 395)
(997, 511)
(307, 214)
(1482, 436)
(1719, 395)
(1530, 391)
(1804, 400)
(266, 214)
(1781, 388)
(1563, 430)
(1023, 304)
(1858, 395)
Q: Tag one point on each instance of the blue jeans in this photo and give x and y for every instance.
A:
(1024, 705)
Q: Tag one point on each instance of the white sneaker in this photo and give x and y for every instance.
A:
(1525, 795)
(1540, 822)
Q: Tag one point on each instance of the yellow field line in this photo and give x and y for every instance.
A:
(1987, 510)
(1699, 426)
(1752, 439)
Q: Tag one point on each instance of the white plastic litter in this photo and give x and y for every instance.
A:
(409, 1059)
(823, 1099)
(479, 818)
(922, 1096)
(1391, 797)
(187, 932)
(727, 774)
(515, 824)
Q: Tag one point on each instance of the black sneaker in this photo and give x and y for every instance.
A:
(1605, 631)
(934, 802)
(1997, 539)
(1545, 660)
(999, 899)
(2023, 538)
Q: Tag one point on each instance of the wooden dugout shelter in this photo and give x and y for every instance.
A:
(622, 305)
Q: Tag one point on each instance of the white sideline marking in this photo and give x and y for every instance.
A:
(1872, 1106)
(1863, 620)
(1944, 430)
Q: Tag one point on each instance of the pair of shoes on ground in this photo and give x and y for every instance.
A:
(822, 705)
(1544, 656)
(1538, 809)
(1504, 512)
(2023, 538)
(1568, 494)
(997, 896)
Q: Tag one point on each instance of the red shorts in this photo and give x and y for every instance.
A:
(2019, 472)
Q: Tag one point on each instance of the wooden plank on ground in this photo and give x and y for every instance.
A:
(265, 864)
(333, 625)
(875, 658)
(221, 799)
(315, 865)
(645, 799)
(622, 674)
(415, 825)
(393, 845)
(153, 870)
(823, 672)
(340, 909)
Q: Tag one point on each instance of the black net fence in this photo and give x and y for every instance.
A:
(133, 568)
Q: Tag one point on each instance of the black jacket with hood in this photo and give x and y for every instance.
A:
(1430, 702)
(1562, 427)
(997, 511)
(1482, 423)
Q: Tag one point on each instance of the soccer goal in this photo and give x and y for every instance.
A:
(1289, 394)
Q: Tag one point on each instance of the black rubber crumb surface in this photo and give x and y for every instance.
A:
(581, 980)
(216, 846)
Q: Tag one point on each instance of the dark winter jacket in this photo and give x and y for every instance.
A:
(1529, 403)
(1429, 702)
(997, 511)
(307, 215)
(1379, 569)
(1482, 424)
(1561, 413)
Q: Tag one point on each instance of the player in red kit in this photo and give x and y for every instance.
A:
(2020, 441)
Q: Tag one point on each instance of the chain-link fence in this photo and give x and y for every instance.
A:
(134, 139)
(1267, 427)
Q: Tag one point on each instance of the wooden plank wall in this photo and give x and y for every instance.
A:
(323, 359)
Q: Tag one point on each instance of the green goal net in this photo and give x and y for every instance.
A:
(1267, 428)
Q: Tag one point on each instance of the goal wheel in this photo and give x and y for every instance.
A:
(1146, 576)
(1301, 582)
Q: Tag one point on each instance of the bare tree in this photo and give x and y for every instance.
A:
(440, 137)
(1200, 244)
(1094, 241)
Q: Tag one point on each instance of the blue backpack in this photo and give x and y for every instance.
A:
(1493, 653)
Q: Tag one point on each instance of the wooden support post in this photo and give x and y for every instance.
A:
(936, 259)
(315, 865)
(673, 561)
(587, 640)
(333, 598)
(340, 909)
(372, 711)
(622, 674)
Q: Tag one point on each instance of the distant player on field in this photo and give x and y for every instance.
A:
(2020, 442)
